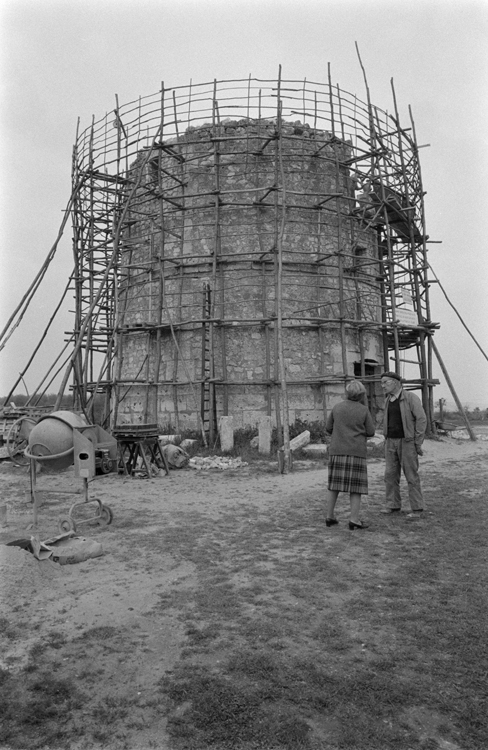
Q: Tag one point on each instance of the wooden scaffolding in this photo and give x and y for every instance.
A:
(111, 161)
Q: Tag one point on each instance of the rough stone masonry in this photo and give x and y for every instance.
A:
(199, 283)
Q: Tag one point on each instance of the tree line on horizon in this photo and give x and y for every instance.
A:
(49, 399)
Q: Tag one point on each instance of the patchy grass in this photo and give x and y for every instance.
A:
(36, 709)
(270, 700)
(336, 648)
(9, 631)
(296, 637)
(58, 698)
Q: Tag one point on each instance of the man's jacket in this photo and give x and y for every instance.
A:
(414, 419)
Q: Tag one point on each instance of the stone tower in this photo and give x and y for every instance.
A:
(238, 233)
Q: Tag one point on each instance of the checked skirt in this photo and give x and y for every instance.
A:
(348, 474)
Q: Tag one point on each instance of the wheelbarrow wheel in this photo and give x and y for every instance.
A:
(106, 516)
(66, 524)
(18, 439)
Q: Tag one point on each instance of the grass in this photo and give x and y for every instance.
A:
(342, 646)
(43, 708)
(294, 637)
(36, 709)
(271, 700)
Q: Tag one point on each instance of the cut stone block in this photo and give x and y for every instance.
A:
(188, 443)
(376, 440)
(264, 435)
(226, 431)
(300, 441)
(315, 450)
(165, 439)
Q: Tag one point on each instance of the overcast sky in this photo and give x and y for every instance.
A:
(67, 59)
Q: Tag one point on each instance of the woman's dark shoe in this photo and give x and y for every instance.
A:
(353, 526)
(331, 521)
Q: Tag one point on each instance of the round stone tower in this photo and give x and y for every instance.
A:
(241, 237)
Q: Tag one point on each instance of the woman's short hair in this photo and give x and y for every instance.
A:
(355, 390)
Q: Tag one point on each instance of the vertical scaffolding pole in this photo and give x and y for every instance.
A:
(279, 290)
(415, 270)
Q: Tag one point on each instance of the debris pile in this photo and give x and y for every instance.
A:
(460, 435)
(215, 462)
(24, 578)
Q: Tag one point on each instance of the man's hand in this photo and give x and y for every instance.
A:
(420, 452)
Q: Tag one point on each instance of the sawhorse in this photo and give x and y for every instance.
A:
(135, 443)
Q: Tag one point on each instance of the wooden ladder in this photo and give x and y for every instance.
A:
(208, 407)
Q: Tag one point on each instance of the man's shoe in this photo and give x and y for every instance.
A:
(414, 515)
(389, 511)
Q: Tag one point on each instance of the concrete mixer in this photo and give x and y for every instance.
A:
(64, 438)
(51, 440)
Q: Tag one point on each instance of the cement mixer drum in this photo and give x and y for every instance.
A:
(51, 440)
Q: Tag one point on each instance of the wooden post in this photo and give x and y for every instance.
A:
(287, 460)
(423, 365)
(33, 493)
(454, 394)
(442, 401)
(157, 257)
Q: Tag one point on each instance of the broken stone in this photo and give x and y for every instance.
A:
(300, 440)
(315, 450)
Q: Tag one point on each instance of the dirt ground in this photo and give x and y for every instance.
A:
(147, 581)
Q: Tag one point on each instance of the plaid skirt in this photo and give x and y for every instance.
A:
(348, 474)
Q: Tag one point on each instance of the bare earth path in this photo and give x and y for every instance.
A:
(201, 566)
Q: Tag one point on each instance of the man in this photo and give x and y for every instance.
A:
(404, 424)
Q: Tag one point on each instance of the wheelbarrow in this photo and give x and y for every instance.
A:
(448, 427)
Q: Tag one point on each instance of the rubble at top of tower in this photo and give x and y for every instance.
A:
(244, 125)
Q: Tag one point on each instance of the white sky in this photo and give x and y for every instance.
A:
(67, 59)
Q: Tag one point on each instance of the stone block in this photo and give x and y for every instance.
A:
(264, 435)
(300, 441)
(226, 431)
(376, 440)
(315, 450)
(165, 439)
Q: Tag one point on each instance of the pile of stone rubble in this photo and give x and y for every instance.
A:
(215, 462)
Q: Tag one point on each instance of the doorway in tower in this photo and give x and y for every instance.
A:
(370, 380)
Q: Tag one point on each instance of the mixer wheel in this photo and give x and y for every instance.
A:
(107, 465)
(66, 524)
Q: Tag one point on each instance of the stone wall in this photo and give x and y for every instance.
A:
(207, 216)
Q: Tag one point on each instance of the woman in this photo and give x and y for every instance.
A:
(349, 423)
